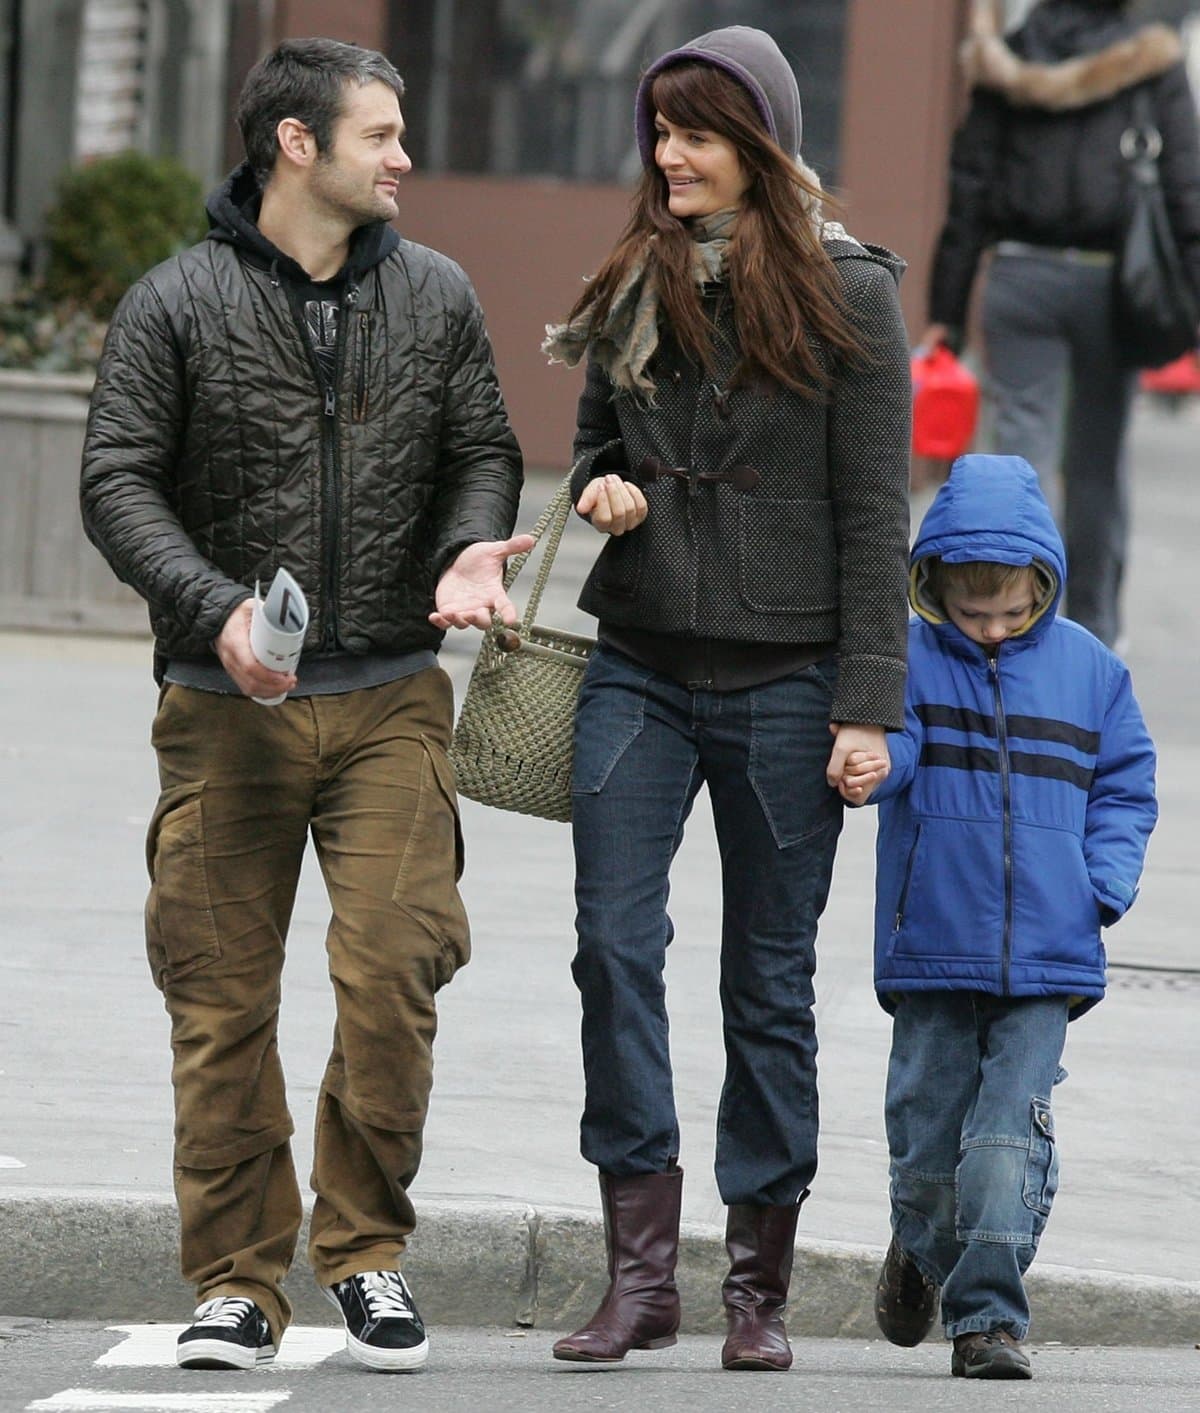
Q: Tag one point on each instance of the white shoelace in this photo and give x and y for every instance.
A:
(226, 1311)
(386, 1295)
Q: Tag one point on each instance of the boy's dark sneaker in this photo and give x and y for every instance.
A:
(906, 1302)
(383, 1329)
(228, 1332)
(990, 1354)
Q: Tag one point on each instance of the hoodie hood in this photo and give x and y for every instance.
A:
(753, 58)
(233, 217)
(991, 508)
(1068, 54)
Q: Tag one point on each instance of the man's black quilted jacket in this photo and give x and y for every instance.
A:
(212, 456)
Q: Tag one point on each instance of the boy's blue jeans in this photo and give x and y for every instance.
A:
(971, 1135)
(643, 746)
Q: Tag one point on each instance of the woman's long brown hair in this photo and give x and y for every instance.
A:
(783, 283)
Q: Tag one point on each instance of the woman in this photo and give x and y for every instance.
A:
(743, 441)
(1037, 175)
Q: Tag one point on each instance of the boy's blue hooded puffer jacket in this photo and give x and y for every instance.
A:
(1015, 818)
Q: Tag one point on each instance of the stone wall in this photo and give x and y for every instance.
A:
(50, 575)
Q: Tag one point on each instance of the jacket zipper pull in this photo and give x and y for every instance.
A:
(330, 402)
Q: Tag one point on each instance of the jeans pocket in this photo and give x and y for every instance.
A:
(790, 745)
(181, 931)
(1041, 1166)
(432, 863)
(610, 715)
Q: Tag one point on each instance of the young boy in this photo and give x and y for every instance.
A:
(1013, 826)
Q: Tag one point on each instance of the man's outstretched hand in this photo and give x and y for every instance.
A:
(471, 589)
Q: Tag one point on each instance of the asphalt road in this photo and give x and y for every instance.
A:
(54, 1367)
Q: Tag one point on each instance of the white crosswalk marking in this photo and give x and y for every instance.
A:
(98, 1400)
(153, 1346)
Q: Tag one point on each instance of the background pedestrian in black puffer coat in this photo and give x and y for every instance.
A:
(1037, 175)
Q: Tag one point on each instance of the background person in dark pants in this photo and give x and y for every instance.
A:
(1037, 176)
(743, 441)
(304, 389)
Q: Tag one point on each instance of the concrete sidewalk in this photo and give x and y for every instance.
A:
(508, 1211)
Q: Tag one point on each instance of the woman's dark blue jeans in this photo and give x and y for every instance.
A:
(643, 746)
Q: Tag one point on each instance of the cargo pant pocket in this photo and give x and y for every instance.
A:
(181, 932)
(432, 863)
(1041, 1167)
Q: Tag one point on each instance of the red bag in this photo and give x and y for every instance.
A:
(945, 404)
(1175, 379)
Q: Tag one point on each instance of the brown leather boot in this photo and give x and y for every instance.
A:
(640, 1310)
(761, 1242)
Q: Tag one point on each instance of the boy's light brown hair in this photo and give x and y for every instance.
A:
(976, 578)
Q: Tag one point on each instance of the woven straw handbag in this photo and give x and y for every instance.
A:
(513, 741)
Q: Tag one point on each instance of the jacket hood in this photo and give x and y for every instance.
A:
(990, 508)
(1068, 54)
(233, 216)
(753, 58)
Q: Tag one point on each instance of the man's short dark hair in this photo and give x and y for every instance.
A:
(305, 79)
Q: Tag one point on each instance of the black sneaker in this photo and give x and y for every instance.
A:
(905, 1301)
(383, 1329)
(228, 1332)
(990, 1354)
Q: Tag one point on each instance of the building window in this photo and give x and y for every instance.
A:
(545, 87)
(111, 98)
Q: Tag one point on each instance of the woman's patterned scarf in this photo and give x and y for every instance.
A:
(626, 342)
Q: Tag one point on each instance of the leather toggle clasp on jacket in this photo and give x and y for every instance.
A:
(741, 478)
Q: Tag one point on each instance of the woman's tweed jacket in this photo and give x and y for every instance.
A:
(811, 549)
(212, 455)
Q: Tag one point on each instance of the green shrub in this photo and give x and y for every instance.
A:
(43, 337)
(114, 218)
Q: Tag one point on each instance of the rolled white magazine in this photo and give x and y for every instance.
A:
(277, 627)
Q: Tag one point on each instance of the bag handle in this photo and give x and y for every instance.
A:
(550, 523)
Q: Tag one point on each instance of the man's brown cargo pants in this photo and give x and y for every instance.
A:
(242, 787)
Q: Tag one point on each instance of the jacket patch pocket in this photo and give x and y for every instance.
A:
(787, 555)
(1041, 1167)
(181, 932)
(432, 863)
(619, 568)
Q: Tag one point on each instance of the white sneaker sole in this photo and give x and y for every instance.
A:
(387, 1361)
(221, 1354)
(383, 1361)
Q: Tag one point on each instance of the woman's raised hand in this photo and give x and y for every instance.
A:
(613, 506)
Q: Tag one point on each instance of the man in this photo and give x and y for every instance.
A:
(303, 390)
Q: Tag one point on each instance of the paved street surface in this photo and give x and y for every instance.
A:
(74, 1368)
(84, 1076)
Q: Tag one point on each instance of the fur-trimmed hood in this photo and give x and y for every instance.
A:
(1126, 55)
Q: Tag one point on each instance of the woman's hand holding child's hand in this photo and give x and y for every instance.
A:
(864, 770)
